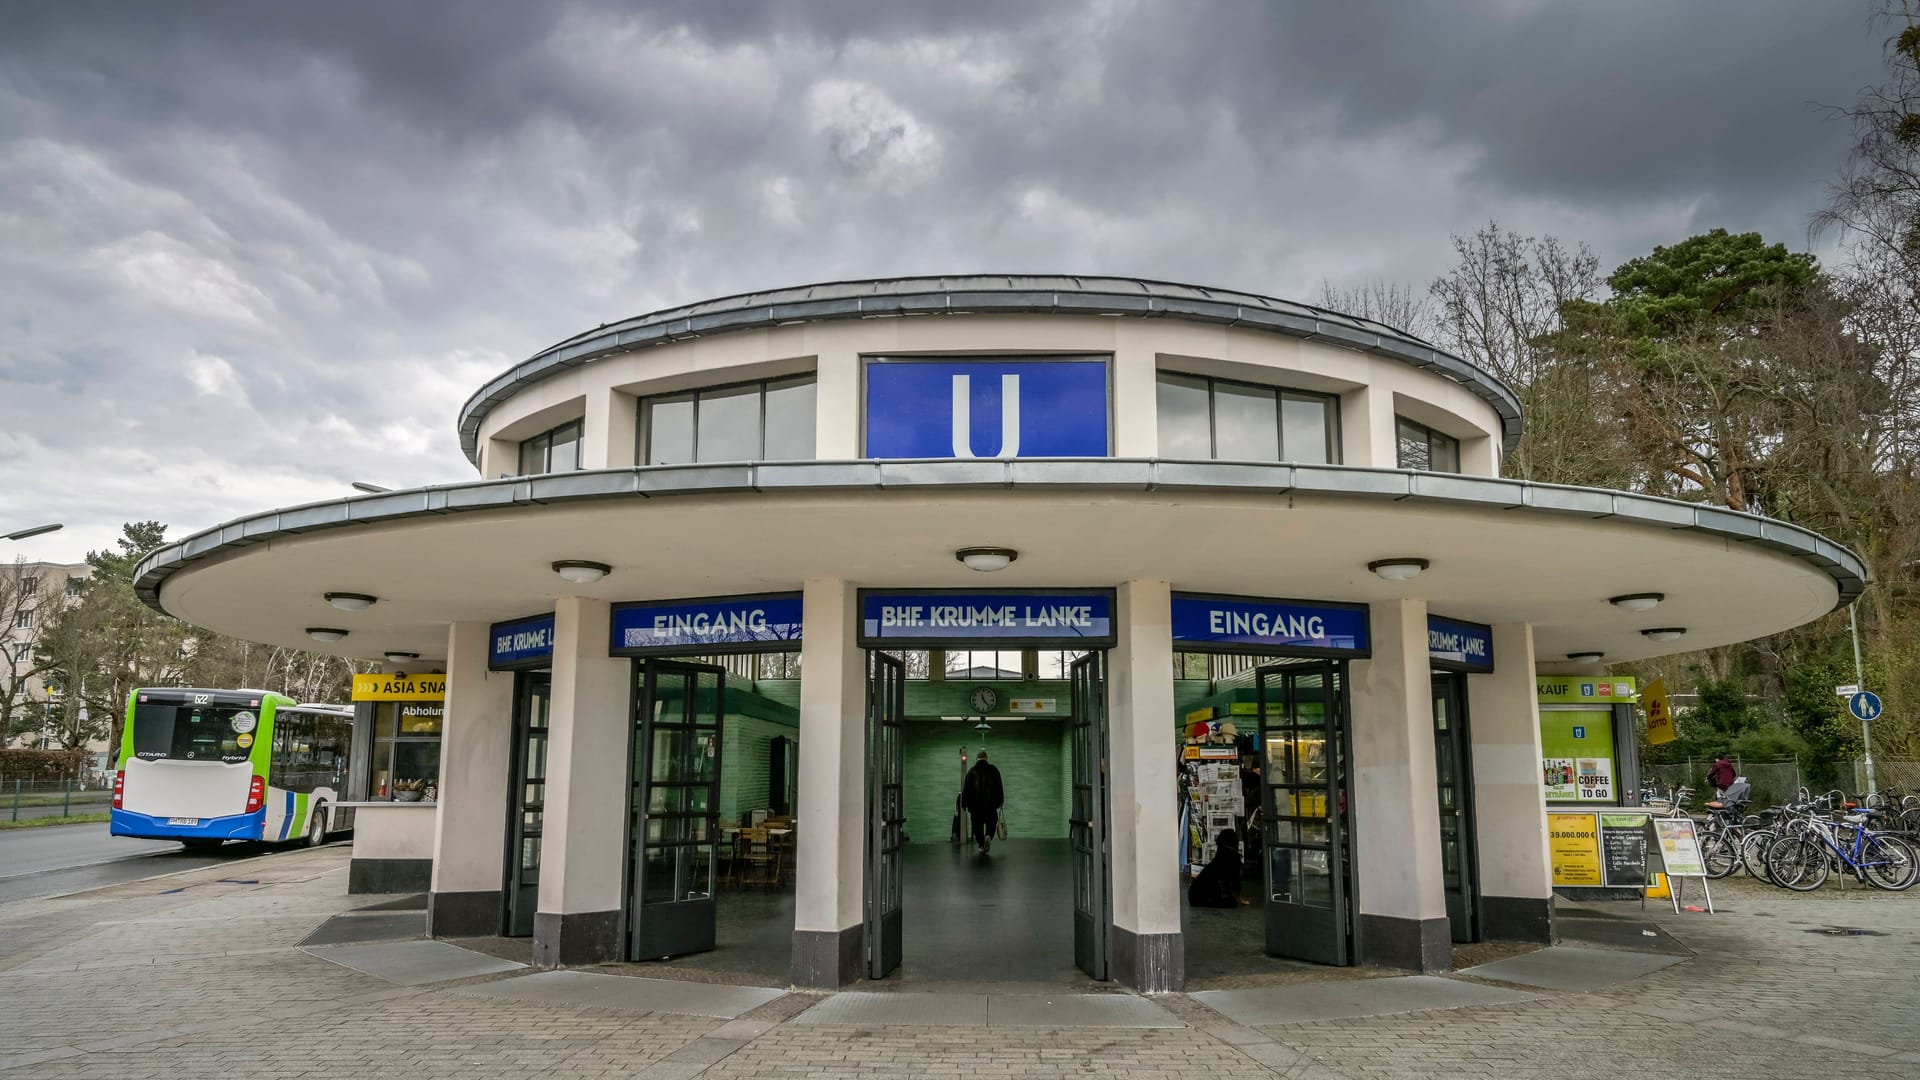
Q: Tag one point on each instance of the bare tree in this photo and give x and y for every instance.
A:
(1504, 297)
(1397, 304)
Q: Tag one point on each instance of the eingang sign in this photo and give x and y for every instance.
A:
(1246, 623)
(716, 624)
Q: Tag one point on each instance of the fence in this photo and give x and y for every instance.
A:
(22, 801)
(1773, 782)
(1901, 776)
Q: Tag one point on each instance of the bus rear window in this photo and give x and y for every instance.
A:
(193, 732)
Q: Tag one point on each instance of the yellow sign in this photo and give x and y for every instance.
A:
(1584, 689)
(399, 687)
(1659, 714)
(1659, 888)
(1573, 846)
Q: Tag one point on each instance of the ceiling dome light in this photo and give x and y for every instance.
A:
(402, 657)
(1398, 569)
(580, 571)
(986, 559)
(1666, 633)
(351, 601)
(325, 633)
(1585, 657)
(1639, 601)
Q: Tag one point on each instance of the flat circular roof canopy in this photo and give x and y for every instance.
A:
(1501, 550)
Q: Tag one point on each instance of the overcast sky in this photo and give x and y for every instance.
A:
(250, 252)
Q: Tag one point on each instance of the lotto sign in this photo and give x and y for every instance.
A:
(1660, 727)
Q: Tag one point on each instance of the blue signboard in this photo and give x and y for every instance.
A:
(1062, 618)
(720, 624)
(1282, 626)
(521, 643)
(1453, 645)
(1864, 705)
(986, 408)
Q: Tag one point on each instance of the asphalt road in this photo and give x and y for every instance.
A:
(61, 859)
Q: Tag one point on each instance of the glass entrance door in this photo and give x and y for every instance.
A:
(533, 693)
(1303, 743)
(886, 810)
(673, 812)
(1087, 825)
(1458, 863)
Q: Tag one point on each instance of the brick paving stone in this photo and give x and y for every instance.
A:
(197, 975)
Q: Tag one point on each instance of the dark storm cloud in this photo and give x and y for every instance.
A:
(249, 252)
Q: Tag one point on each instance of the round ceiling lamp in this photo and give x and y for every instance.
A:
(986, 560)
(1585, 657)
(402, 657)
(1398, 569)
(1666, 633)
(325, 633)
(351, 601)
(580, 571)
(1639, 601)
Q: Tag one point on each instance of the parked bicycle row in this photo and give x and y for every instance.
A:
(1801, 845)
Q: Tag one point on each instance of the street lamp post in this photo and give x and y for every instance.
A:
(1860, 680)
(34, 530)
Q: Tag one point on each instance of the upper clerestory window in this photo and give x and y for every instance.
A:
(556, 450)
(756, 421)
(1425, 449)
(1217, 419)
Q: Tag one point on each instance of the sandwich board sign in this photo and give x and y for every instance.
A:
(1679, 842)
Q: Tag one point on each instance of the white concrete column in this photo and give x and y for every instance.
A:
(476, 753)
(1148, 950)
(829, 870)
(1367, 435)
(1136, 401)
(1480, 456)
(499, 457)
(836, 407)
(1401, 894)
(1509, 801)
(584, 858)
(610, 430)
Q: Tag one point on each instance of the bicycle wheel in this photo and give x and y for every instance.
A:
(1721, 855)
(1891, 863)
(1753, 854)
(1798, 863)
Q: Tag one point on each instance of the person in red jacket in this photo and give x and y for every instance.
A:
(1721, 775)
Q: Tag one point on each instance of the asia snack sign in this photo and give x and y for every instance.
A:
(399, 687)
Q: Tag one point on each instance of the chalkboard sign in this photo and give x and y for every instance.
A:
(1623, 848)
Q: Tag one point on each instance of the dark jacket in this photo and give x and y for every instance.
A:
(982, 792)
(1721, 775)
(1219, 882)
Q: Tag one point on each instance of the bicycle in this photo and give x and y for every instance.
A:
(1802, 861)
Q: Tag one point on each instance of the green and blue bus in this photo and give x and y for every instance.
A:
(207, 766)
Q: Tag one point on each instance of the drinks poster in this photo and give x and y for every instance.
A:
(1559, 778)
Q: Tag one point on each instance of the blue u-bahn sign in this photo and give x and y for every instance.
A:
(987, 408)
(1282, 627)
(715, 624)
(1038, 618)
(521, 643)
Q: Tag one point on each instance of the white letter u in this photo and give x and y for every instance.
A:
(1009, 416)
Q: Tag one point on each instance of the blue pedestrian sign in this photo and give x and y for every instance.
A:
(1864, 705)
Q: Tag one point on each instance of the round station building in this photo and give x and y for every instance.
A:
(742, 590)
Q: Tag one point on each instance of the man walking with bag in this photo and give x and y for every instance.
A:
(982, 796)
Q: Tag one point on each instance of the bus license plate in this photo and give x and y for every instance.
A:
(183, 821)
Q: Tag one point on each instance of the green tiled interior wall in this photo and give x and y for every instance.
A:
(743, 768)
(1035, 768)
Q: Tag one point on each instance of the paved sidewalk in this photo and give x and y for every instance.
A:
(201, 975)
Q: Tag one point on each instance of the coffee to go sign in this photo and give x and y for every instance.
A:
(399, 687)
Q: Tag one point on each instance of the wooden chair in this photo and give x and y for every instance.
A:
(758, 860)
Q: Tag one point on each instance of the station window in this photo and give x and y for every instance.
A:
(1216, 419)
(757, 421)
(1425, 449)
(552, 451)
(406, 751)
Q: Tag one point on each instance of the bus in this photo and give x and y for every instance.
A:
(207, 766)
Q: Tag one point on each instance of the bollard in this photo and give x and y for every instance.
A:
(66, 801)
(16, 798)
